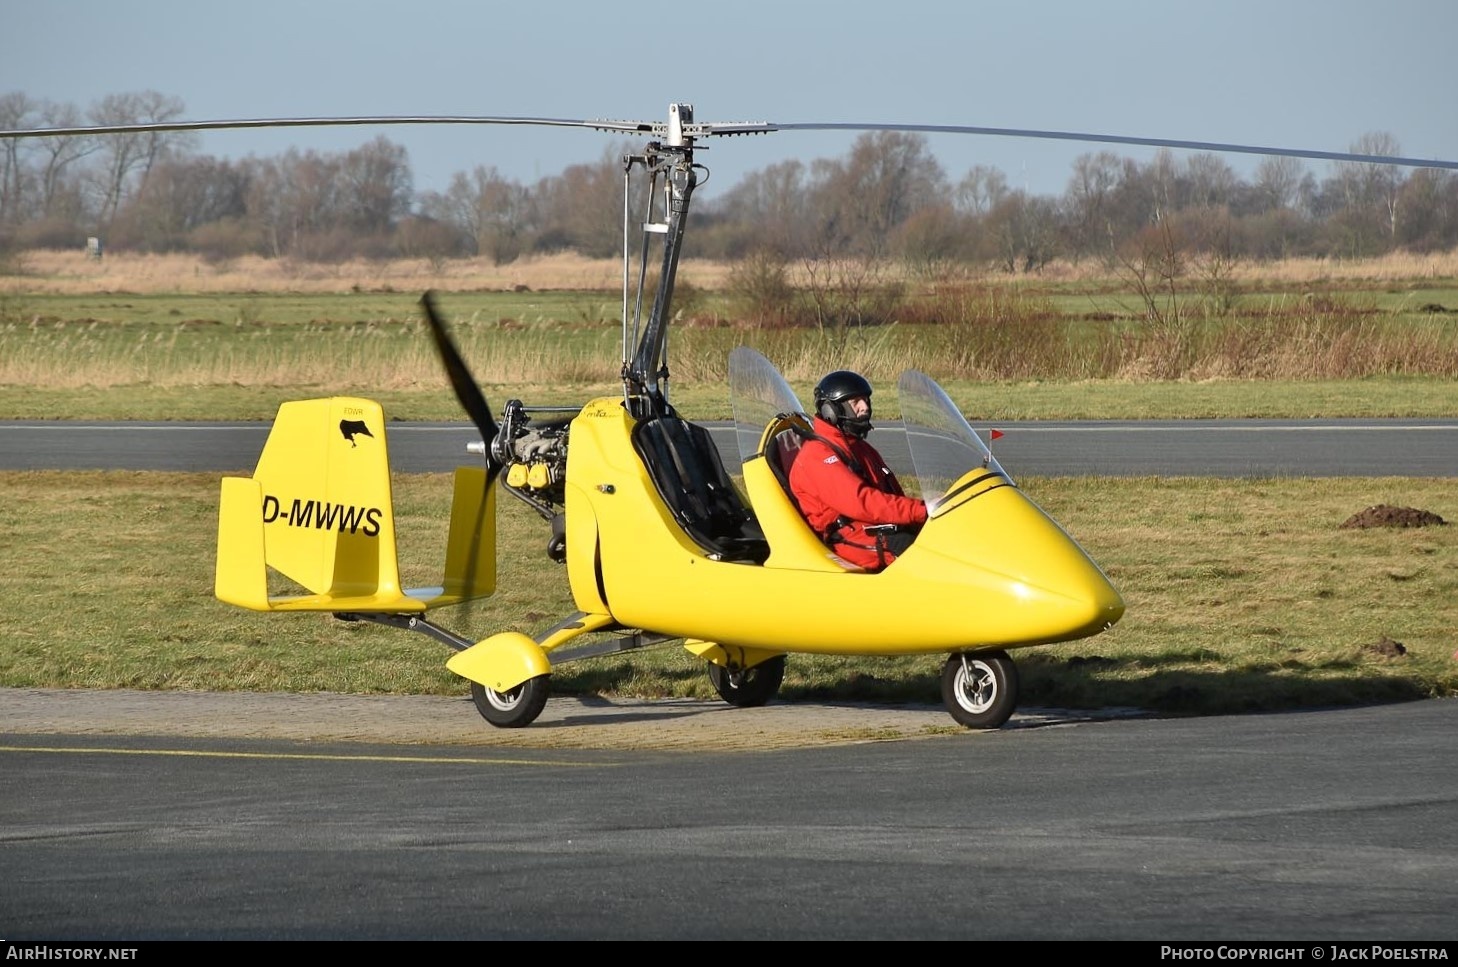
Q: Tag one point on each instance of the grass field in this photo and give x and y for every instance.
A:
(1242, 595)
(151, 340)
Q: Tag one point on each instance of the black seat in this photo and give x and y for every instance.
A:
(690, 477)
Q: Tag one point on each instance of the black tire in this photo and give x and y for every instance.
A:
(980, 689)
(513, 709)
(749, 687)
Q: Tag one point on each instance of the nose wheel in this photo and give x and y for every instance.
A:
(980, 689)
(515, 708)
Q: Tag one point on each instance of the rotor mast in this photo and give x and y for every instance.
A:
(671, 170)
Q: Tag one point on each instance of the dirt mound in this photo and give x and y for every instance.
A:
(1384, 515)
(1387, 648)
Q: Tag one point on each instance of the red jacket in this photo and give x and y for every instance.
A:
(827, 490)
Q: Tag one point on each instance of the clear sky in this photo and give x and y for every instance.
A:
(1309, 74)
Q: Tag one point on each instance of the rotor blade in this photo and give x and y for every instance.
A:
(472, 400)
(625, 127)
(680, 131)
(1380, 159)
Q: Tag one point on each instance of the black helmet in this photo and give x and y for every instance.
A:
(831, 394)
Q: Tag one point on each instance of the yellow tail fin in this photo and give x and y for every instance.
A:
(318, 510)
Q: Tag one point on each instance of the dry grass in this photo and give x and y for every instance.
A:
(1403, 266)
(1398, 266)
(72, 273)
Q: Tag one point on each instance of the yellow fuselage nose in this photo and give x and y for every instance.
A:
(1012, 572)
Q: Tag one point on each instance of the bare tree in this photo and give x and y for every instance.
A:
(265, 203)
(1384, 182)
(1211, 182)
(486, 208)
(58, 154)
(1133, 203)
(128, 158)
(1163, 182)
(294, 199)
(1429, 201)
(417, 236)
(1026, 229)
(17, 111)
(936, 238)
(1369, 192)
(376, 187)
(888, 176)
(182, 196)
(1089, 198)
(981, 190)
(1278, 181)
(582, 208)
(772, 208)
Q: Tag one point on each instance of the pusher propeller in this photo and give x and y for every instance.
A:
(470, 395)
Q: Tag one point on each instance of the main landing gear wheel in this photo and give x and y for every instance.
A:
(980, 690)
(748, 687)
(515, 708)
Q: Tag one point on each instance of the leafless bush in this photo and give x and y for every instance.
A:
(221, 241)
(13, 262)
(852, 293)
(1154, 263)
(49, 233)
(1214, 271)
(760, 290)
(424, 238)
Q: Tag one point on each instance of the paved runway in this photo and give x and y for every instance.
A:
(1223, 448)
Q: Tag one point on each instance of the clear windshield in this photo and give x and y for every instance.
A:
(943, 445)
(758, 394)
(938, 445)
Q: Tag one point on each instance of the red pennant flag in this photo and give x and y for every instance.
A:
(996, 434)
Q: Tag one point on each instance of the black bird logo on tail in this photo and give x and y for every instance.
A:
(348, 428)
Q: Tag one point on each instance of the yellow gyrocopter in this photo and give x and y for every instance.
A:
(659, 543)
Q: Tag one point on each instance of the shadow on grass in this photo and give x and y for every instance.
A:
(1182, 691)
(1078, 683)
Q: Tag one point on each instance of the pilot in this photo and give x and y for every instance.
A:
(844, 488)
